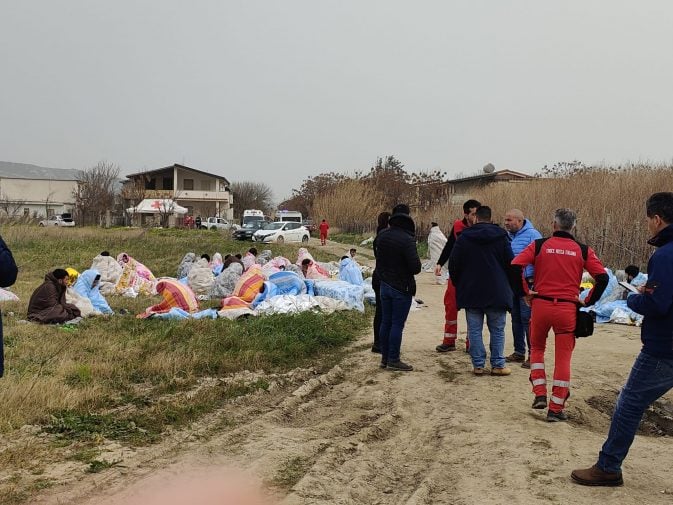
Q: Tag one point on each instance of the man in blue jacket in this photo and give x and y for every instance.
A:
(652, 373)
(480, 266)
(8, 272)
(521, 232)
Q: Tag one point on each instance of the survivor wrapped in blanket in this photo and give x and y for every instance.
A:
(136, 278)
(175, 295)
(110, 272)
(340, 290)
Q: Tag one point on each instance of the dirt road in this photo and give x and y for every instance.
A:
(437, 435)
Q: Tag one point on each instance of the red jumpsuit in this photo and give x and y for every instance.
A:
(324, 226)
(558, 272)
(450, 307)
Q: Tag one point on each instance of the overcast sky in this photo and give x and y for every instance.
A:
(275, 91)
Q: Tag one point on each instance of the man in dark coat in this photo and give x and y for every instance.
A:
(47, 305)
(8, 272)
(480, 266)
(652, 374)
(397, 262)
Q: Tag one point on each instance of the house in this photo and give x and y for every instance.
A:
(201, 193)
(33, 191)
(458, 188)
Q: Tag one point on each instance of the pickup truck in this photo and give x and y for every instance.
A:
(215, 223)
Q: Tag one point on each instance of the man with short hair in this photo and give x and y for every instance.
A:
(480, 269)
(521, 232)
(450, 309)
(652, 374)
(559, 262)
(47, 304)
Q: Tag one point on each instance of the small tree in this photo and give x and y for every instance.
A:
(132, 193)
(95, 192)
(10, 206)
(251, 195)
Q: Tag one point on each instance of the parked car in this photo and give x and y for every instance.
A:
(309, 225)
(247, 230)
(58, 220)
(281, 232)
(215, 223)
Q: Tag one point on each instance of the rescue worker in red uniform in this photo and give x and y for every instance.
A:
(450, 307)
(324, 229)
(559, 263)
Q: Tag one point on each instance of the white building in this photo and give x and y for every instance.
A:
(29, 190)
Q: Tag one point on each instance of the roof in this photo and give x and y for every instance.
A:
(177, 165)
(10, 170)
(493, 175)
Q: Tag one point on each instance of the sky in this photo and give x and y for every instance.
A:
(277, 91)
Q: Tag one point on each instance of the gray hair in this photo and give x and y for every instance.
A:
(565, 219)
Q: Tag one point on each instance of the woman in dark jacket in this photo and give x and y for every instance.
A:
(376, 284)
(397, 262)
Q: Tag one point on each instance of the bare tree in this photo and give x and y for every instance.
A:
(132, 193)
(10, 206)
(166, 207)
(251, 195)
(95, 192)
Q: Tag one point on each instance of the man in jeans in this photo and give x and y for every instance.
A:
(652, 373)
(397, 262)
(450, 310)
(521, 232)
(480, 268)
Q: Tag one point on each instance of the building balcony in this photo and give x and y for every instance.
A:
(206, 196)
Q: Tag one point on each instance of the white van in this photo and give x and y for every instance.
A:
(285, 216)
(252, 215)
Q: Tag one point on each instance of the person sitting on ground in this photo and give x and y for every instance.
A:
(352, 252)
(349, 271)
(631, 272)
(110, 271)
(250, 258)
(88, 285)
(47, 304)
(229, 259)
(206, 257)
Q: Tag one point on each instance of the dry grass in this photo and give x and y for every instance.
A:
(129, 379)
(609, 201)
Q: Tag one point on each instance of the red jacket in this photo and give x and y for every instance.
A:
(559, 266)
(324, 226)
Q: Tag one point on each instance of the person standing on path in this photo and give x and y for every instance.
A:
(382, 224)
(559, 262)
(450, 309)
(324, 228)
(652, 374)
(521, 232)
(480, 266)
(397, 262)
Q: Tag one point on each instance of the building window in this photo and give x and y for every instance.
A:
(26, 211)
(188, 184)
(151, 184)
(168, 183)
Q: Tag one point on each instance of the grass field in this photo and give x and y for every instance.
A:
(126, 379)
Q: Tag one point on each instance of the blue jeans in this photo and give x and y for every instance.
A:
(395, 307)
(495, 320)
(650, 378)
(521, 325)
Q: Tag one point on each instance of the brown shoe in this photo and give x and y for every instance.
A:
(526, 364)
(594, 476)
(478, 371)
(501, 371)
(515, 357)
